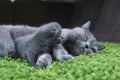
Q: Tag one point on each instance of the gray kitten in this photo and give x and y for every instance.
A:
(31, 46)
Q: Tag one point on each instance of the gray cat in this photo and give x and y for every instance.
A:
(40, 44)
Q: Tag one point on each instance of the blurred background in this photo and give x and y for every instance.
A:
(104, 14)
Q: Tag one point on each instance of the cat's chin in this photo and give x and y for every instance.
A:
(58, 40)
(88, 50)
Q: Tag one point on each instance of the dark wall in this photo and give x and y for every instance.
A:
(108, 23)
(35, 12)
(5, 12)
(86, 10)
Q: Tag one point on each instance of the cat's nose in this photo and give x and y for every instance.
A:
(86, 46)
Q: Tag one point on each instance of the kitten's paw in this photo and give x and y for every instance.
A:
(41, 64)
(65, 58)
(44, 60)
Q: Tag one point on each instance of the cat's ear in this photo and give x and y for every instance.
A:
(86, 25)
(100, 47)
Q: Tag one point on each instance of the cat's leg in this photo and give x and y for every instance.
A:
(61, 54)
(44, 60)
(30, 58)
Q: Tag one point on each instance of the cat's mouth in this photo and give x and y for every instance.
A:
(57, 40)
(89, 50)
(93, 50)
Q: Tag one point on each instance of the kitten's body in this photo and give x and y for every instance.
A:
(42, 41)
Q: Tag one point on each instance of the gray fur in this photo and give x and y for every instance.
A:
(8, 33)
(80, 40)
(44, 60)
(61, 54)
(20, 30)
(6, 42)
(75, 41)
(42, 41)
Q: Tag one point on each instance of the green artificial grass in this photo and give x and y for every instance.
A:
(103, 65)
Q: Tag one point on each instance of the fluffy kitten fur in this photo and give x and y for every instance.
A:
(31, 46)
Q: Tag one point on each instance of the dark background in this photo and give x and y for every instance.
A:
(104, 14)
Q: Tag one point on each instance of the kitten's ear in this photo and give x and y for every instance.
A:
(86, 25)
(100, 47)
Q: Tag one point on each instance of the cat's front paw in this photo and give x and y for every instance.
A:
(41, 64)
(44, 60)
(64, 58)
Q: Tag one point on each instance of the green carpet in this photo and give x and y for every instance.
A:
(103, 65)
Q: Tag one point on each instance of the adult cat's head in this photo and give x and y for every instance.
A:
(93, 45)
(80, 40)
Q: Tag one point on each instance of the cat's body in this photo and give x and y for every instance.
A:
(6, 42)
(10, 32)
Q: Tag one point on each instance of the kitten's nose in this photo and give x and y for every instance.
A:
(86, 46)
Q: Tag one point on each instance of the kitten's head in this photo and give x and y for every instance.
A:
(94, 46)
(53, 32)
(81, 40)
(77, 41)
